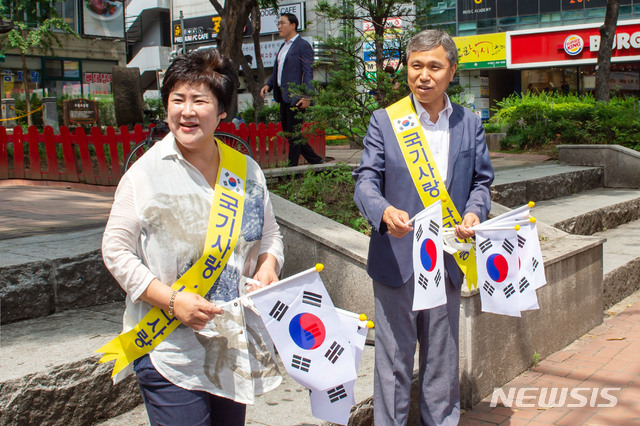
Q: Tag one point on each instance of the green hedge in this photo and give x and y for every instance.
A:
(534, 120)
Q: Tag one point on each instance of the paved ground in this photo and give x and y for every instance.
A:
(600, 369)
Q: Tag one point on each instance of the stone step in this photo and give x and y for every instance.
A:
(621, 262)
(48, 273)
(514, 187)
(591, 211)
(51, 375)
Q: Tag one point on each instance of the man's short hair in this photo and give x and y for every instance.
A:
(292, 19)
(430, 39)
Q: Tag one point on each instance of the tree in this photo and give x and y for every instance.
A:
(235, 15)
(355, 88)
(34, 23)
(607, 34)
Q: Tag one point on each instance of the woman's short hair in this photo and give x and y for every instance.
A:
(430, 39)
(202, 66)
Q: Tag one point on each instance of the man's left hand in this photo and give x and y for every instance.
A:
(462, 230)
(303, 103)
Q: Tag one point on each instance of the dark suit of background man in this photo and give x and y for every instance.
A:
(387, 197)
(293, 66)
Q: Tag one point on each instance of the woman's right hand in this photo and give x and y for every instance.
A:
(194, 310)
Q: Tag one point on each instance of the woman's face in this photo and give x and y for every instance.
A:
(192, 114)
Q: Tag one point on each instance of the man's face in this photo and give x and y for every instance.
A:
(285, 28)
(429, 75)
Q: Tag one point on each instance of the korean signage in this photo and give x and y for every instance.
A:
(201, 29)
(577, 45)
(390, 47)
(481, 51)
(97, 83)
(103, 18)
(81, 111)
(472, 10)
(269, 17)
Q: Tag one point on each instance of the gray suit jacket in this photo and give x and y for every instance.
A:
(383, 179)
(297, 69)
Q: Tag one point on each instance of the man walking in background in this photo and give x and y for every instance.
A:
(293, 66)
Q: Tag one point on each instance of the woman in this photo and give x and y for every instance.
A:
(217, 359)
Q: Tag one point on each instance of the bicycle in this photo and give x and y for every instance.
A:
(162, 129)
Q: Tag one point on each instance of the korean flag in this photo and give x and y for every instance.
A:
(428, 263)
(230, 181)
(497, 260)
(306, 330)
(334, 404)
(405, 123)
(531, 276)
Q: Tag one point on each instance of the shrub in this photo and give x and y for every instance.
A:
(533, 120)
(268, 114)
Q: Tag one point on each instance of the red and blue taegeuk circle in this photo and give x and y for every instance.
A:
(428, 254)
(497, 267)
(307, 331)
(406, 122)
(233, 182)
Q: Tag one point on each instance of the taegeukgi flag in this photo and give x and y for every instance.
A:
(497, 260)
(428, 264)
(334, 404)
(306, 330)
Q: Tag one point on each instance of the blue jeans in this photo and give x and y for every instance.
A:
(168, 404)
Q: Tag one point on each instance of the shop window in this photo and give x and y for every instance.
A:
(596, 13)
(466, 26)
(531, 19)
(625, 11)
(505, 22)
(551, 18)
(572, 15)
(57, 69)
(67, 10)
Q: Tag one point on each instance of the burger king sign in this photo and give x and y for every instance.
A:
(573, 45)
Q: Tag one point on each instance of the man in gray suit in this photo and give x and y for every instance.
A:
(388, 194)
(293, 66)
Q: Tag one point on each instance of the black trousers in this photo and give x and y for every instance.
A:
(292, 127)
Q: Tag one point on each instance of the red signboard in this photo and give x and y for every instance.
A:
(576, 45)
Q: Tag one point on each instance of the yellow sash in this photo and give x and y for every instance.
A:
(225, 220)
(426, 177)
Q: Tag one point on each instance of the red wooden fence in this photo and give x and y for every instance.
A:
(98, 158)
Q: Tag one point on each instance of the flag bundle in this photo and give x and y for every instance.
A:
(510, 266)
(428, 263)
(306, 330)
(334, 404)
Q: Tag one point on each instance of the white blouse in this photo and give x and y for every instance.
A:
(157, 229)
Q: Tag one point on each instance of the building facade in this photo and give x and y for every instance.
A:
(82, 67)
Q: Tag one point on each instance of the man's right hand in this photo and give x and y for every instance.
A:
(396, 221)
(264, 90)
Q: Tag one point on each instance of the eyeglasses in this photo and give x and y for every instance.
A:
(281, 23)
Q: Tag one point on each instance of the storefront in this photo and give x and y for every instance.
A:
(563, 59)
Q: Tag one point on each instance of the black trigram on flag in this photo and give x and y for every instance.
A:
(301, 363)
(521, 241)
(524, 283)
(336, 394)
(488, 287)
(509, 290)
(313, 299)
(419, 233)
(508, 246)
(438, 278)
(434, 227)
(535, 263)
(334, 352)
(423, 281)
(485, 245)
(278, 311)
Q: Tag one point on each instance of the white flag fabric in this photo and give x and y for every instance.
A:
(428, 263)
(306, 330)
(531, 274)
(334, 405)
(497, 260)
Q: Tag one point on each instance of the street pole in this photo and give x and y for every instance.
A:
(184, 46)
